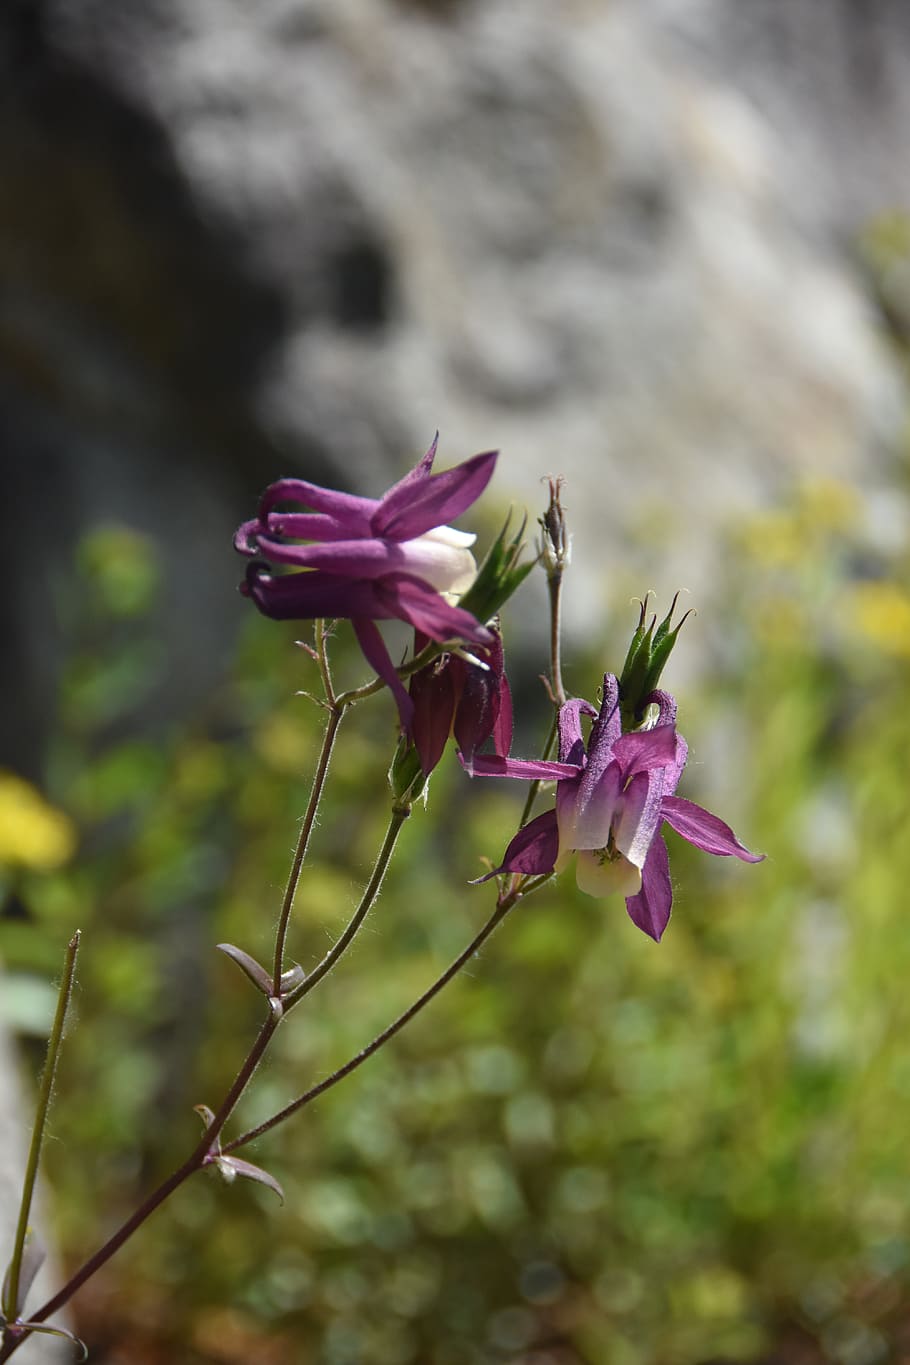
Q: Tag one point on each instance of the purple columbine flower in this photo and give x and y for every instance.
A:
(371, 559)
(612, 798)
(470, 699)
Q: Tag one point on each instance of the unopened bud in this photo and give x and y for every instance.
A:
(555, 541)
(648, 653)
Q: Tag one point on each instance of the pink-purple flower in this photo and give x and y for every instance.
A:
(369, 559)
(612, 799)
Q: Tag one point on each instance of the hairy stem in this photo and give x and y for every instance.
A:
(194, 1162)
(554, 584)
(498, 915)
(198, 1157)
(306, 829)
(11, 1298)
(430, 651)
(371, 891)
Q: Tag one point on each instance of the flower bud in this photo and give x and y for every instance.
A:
(555, 541)
(649, 651)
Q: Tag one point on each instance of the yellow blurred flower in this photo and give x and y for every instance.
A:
(880, 611)
(823, 508)
(32, 832)
(827, 504)
(775, 540)
(780, 623)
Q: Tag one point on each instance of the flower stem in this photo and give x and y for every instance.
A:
(11, 1304)
(554, 584)
(194, 1162)
(371, 891)
(337, 706)
(430, 651)
(536, 784)
(197, 1158)
(498, 915)
(287, 904)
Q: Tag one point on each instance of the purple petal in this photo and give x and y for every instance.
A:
(527, 769)
(432, 691)
(245, 542)
(534, 848)
(585, 809)
(650, 909)
(345, 508)
(407, 512)
(478, 707)
(306, 526)
(666, 706)
(414, 601)
(571, 743)
(642, 750)
(377, 656)
(349, 558)
(704, 830)
(485, 703)
(587, 818)
(607, 728)
(502, 730)
(415, 476)
(496, 684)
(639, 816)
(674, 771)
(303, 596)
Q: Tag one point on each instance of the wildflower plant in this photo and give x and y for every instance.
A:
(616, 762)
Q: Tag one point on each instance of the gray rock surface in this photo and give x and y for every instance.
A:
(609, 238)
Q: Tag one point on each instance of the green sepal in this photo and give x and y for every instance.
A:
(499, 575)
(406, 777)
(651, 647)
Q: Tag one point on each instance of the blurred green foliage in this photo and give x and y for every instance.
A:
(590, 1148)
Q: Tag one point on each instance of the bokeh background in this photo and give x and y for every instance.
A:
(663, 249)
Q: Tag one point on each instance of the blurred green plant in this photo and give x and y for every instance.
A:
(596, 1150)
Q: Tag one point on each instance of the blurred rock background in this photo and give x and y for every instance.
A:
(617, 240)
(622, 240)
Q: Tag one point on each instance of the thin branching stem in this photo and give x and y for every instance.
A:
(336, 705)
(11, 1303)
(429, 652)
(194, 1162)
(371, 891)
(306, 829)
(199, 1156)
(498, 915)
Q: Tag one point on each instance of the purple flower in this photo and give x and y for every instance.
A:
(371, 559)
(473, 700)
(612, 798)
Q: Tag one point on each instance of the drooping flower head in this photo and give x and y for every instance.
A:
(612, 798)
(469, 698)
(370, 559)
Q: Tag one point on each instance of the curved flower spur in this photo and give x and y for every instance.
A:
(371, 559)
(612, 798)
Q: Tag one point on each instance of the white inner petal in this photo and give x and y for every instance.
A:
(441, 558)
(448, 535)
(599, 876)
